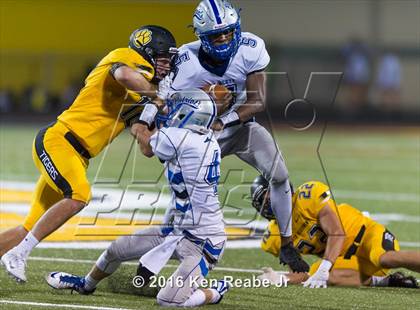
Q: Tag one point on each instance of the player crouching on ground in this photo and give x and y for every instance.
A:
(195, 228)
(355, 250)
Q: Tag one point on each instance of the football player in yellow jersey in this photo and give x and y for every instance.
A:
(113, 96)
(356, 249)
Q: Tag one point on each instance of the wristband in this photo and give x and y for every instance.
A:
(230, 119)
(148, 115)
(325, 265)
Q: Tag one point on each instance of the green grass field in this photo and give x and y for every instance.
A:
(373, 168)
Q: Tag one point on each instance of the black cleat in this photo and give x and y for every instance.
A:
(290, 256)
(398, 279)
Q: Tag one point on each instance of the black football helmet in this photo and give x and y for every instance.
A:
(153, 42)
(260, 199)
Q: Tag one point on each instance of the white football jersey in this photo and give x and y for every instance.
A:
(251, 57)
(192, 164)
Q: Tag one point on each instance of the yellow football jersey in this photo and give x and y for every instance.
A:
(308, 201)
(102, 107)
(308, 236)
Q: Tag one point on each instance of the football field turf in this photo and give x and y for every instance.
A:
(375, 169)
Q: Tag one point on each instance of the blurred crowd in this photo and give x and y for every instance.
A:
(370, 77)
(35, 99)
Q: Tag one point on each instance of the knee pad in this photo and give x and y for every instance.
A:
(108, 262)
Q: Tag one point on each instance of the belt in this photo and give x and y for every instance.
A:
(77, 145)
(356, 243)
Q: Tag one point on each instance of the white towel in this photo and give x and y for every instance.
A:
(156, 258)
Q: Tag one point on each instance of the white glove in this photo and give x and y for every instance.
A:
(320, 277)
(165, 87)
(270, 275)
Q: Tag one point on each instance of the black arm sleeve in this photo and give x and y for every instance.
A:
(114, 68)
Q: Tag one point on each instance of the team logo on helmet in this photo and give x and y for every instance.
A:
(142, 38)
(199, 14)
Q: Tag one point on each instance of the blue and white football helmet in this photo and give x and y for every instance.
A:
(192, 109)
(213, 17)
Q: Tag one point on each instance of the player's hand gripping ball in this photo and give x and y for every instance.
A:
(221, 95)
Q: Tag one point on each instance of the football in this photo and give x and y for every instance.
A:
(221, 95)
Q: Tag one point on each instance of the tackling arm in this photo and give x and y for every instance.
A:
(133, 80)
(142, 133)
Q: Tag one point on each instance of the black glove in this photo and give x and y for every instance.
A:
(398, 279)
(290, 256)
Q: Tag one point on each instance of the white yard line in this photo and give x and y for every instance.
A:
(113, 195)
(410, 244)
(43, 304)
(231, 244)
(87, 261)
(377, 196)
(101, 245)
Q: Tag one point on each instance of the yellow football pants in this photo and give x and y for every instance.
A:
(63, 172)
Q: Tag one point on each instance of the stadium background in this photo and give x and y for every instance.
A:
(369, 152)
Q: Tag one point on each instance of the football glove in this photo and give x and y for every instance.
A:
(399, 279)
(165, 87)
(269, 274)
(291, 257)
(320, 277)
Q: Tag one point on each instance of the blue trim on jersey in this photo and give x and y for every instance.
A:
(166, 230)
(181, 195)
(215, 11)
(192, 238)
(176, 178)
(203, 267)
(182, 208)
(212, 250)
(185, 191)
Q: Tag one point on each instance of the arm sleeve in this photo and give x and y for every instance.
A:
(114, 68)
(125, 57)
(162, 146)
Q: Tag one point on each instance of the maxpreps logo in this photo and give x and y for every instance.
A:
(142, 38)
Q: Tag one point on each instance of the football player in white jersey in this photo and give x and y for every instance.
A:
(225, 55)
(195, 232)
